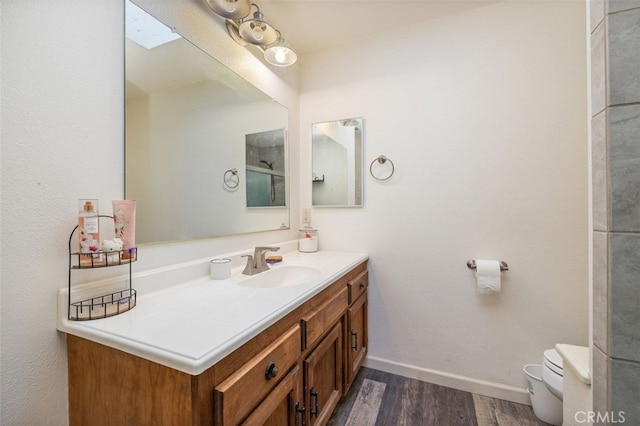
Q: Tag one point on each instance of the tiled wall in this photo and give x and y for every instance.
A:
(615, 108)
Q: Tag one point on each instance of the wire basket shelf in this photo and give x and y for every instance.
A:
(103, 306)
(106, 305)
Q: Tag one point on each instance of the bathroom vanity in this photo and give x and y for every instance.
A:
(279, 356)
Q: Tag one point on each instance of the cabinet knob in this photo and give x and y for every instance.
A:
(361, 286)
(271, 371)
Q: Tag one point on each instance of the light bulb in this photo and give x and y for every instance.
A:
(281, 56)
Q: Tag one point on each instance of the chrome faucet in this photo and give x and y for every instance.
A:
(257, 262)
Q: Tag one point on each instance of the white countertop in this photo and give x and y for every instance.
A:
(192, 325)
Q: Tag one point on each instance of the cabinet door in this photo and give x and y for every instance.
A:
(357, 338)
(283, 406)
(323, 377)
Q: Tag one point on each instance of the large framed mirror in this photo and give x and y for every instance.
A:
(188, 123)
(337, 156)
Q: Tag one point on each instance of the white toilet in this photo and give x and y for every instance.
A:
(552, 372)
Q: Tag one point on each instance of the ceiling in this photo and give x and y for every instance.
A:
(309, 25)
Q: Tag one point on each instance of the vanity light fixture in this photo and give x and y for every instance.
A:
(245, 28)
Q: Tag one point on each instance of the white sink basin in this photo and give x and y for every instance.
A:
(282, 276)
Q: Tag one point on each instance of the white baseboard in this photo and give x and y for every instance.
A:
(468, 384)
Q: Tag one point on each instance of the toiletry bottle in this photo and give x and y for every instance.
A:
(124, 218)
(89, 233)
(308, 240)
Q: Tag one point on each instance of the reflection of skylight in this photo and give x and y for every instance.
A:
(144, 29)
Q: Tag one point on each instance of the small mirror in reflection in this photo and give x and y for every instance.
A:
(266, 169)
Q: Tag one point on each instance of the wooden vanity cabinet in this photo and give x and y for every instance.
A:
(357, 335)
(292, 373)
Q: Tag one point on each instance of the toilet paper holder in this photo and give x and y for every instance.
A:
(471, 264)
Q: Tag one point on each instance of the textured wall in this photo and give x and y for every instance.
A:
(62, 122)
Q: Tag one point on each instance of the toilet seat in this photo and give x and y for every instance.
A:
(552, 372)
(553, 361)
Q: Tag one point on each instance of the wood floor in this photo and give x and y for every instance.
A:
(383, 399)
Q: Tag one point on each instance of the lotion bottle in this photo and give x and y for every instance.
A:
(89, 233)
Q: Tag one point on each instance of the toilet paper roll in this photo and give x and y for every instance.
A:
(488, 276)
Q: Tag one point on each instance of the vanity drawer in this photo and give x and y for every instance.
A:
(357, 286)
(318, 321)
(243, 390)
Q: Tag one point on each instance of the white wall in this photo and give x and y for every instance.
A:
(484, 116)
(62, 139)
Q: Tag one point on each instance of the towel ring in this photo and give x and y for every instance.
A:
(229, 175)
(381, 160)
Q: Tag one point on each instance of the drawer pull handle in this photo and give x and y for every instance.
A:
(361, 286)
(354, 340)
(313, 411)
(271, 371)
